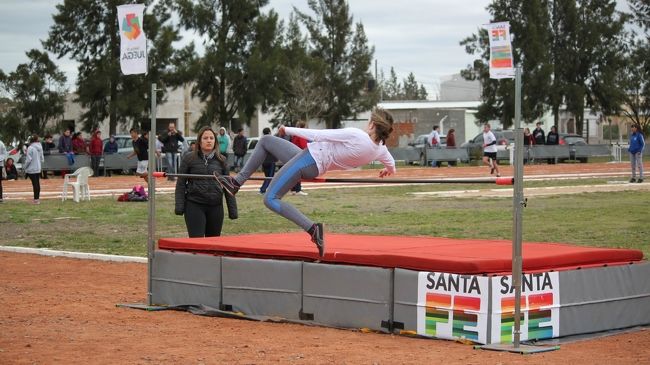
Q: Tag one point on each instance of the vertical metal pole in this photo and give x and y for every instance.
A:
(152, 194)
(518, 205)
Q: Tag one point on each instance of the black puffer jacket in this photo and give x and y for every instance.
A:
(202, 191)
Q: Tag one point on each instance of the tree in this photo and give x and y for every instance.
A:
(342, 49)
(597, 60)
(87, 32)
(239, 69)
(408, 89)
(636, 73)
(301, 98)
(570, 52)
(529, 25)
(392, 89)
(36, 96)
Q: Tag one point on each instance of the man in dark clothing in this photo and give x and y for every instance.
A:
(65, 142)
(268, 166)
(552, 139)
(170, 141)
(140, 149)
(239, 147)
(538, 135)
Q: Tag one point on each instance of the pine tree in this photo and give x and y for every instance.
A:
(343, 50)
(87, 32)
(36, 93)
(239, 69)
(529, 26)
(392, 88)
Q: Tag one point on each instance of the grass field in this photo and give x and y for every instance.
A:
(617, 219)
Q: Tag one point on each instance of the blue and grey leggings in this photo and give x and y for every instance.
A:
(298, 164)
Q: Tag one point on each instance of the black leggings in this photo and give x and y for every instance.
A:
(203, 220)
(36, 184)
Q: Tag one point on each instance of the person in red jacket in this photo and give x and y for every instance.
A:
(302, 143)
(96, 149)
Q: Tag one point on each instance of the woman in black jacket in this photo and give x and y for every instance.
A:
(201, 200)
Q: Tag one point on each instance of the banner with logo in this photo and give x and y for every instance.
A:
(133, 45)
(453, 306)
(501, 61)
(540, 307)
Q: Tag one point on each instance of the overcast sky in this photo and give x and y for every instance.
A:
(419, 36)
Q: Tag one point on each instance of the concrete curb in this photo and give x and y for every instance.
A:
(74, 255)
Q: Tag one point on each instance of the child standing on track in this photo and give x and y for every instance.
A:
(329, 149)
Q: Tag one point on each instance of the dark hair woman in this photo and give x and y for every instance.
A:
(33, 165)
(201, 200)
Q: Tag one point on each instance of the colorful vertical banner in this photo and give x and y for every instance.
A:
(501, 61)
(540, 307)
(133, 45)
(453, 306)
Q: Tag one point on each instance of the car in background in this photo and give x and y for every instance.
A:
(573, 140)
(421, 142)
(474, 146)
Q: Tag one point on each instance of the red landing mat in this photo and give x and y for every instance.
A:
(460, 256)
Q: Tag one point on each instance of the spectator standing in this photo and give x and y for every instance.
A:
(10, 168)
(141, 150)
(552, 139)
(302, 143)
(268, 166)
(3, 171)
(239, 148)
(159, 148)
(451, 143)
(490, 149)
(201, 201)
(96, 150)
(434, 141)
(528, 141)
(170, 140)
(538, 134)
(78, 144)
(33, 163)
(224, 142)
(637, 144)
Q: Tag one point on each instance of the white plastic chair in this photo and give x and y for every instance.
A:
(80, 188)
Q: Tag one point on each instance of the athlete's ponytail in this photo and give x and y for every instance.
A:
(383, 122)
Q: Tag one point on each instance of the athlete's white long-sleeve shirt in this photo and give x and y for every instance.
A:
(343, 149)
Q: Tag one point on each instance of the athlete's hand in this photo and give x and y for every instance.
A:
(384, 172)
(281, 131)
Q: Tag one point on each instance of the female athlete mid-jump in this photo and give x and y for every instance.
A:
(329, 149)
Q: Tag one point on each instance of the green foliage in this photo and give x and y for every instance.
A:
(341, 48)
(636, 70)
(36, 93)
(301, 98)
(409, 89)
(238, 71)
(529, 28)
(570, 52)
(87, 32)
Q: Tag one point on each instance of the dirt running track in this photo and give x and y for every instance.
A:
(112, 186)
(62, 311)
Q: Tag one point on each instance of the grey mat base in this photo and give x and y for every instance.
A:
(591, 301)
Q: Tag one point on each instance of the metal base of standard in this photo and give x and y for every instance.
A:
(522, 349)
